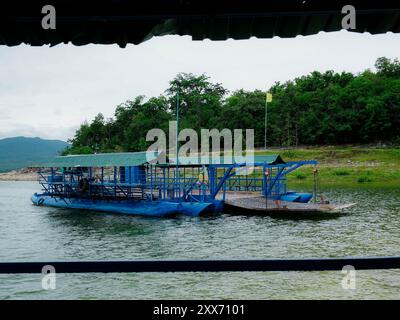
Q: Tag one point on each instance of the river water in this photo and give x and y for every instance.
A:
(29, 233)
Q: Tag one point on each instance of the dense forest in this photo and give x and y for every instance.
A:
(315, 109)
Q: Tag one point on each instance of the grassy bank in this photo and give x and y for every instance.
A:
(341, 166)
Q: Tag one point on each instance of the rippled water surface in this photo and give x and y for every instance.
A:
(29, 233)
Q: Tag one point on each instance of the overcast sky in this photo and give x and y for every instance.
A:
(49, 92)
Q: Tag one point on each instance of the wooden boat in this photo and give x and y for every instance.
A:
(260, 206)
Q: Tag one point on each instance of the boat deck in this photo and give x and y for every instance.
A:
(253, 203)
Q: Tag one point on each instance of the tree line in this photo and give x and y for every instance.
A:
(315, 109)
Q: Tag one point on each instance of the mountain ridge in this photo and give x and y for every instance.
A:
(20, 152)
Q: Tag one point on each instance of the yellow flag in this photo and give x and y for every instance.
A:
(203, 178)
(269, 97)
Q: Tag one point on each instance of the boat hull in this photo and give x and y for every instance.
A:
(259, 206)
(143, 208)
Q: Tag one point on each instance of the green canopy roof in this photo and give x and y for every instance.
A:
(140, 158)
(229, 160)
(102, 160)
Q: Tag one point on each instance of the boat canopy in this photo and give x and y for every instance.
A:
(226, 160)
(141, 158)
(102, 160)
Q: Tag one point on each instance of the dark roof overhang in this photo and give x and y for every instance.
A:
(128, 21)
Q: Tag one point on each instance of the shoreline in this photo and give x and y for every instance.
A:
(24, 174)
(339, 166)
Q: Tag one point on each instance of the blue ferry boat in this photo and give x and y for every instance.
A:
(140, 183)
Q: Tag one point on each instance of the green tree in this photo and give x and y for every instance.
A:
(387, 67)
(318, 108)
(200, 100)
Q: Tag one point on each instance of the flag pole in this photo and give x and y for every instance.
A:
(268, 98)
(177, 141)
(265, 124)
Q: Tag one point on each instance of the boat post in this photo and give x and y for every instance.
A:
(115, 181)
(265, 186)
(315, 171)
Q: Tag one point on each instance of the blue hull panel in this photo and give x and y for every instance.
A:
(290, 198)
(144, 208)
(195, 209)
(297, 197)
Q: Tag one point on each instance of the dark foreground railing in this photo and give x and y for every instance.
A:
(365, 263)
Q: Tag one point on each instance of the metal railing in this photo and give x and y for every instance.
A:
(328, 264)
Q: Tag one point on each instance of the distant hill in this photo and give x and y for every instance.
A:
(20, 152)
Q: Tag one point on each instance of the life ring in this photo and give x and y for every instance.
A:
(40, 201)
(83, 185)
